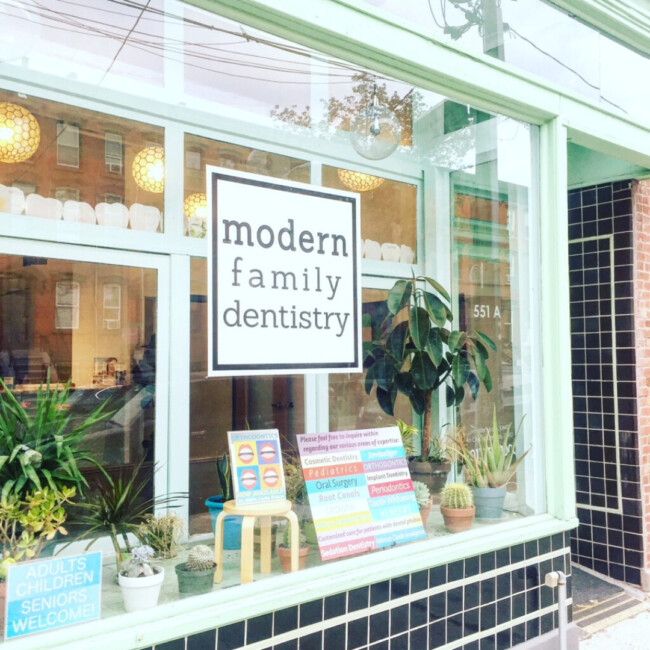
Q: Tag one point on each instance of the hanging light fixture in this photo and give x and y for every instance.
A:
(20, 133)
(149, 169)
(358, 181)
(195, 208)
(375, 131)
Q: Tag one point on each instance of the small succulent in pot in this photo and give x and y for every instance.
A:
(422, 494)
(196, 575)
(200, 558)
(140, 563)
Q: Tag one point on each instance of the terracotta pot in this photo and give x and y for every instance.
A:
(458, 519)
(424, 512)
(433, 475)
(284, 553)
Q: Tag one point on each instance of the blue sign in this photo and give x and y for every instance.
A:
(53, 593)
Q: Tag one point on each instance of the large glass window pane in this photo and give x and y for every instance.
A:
(63, 162)
(52, 325)
(222, 404)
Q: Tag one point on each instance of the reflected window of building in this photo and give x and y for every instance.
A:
(67, 306)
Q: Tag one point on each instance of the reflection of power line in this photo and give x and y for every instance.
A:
(156, 47)
(474, 18)
(561, 63)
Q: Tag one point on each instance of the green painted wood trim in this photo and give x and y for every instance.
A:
(199, 613)
(627, 21)
(556, 325)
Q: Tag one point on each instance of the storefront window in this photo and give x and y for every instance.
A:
(65, 163)
(53, 327)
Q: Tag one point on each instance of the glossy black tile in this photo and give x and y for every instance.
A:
(334, 605)
(259, 628)
(292, 644)
(418, 614)
(399, 619)
(231, 636)
(202, 641)
(419, 581)
(399, 587)
(285, 620)
(418, 638)
(334, 637)
(358, 599)
(176, 644)
(400, 642)
(379, 592)
(357, 633)
(311, 612)
(378, 626)
(471, 621)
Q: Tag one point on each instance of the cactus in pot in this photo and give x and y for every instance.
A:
(457, 507)
(196, 575)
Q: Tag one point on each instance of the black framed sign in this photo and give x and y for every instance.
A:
(284, 286)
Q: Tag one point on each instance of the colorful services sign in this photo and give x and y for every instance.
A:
(256, 459)
(283, 277)
(54, 593)
(360, 491)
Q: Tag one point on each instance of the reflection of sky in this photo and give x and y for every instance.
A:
(545, 41)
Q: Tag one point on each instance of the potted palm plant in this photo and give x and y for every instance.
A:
(488, 465)
(140, 581)
(457, 507)
(119, 506)
(416, 352)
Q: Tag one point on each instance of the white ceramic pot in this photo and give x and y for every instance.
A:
(143, 592)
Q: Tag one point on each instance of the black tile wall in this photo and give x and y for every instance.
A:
(601, 270)
(463, 602)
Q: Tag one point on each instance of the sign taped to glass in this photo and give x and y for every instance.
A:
(284, 277)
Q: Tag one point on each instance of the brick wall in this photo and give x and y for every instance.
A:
(641, 211)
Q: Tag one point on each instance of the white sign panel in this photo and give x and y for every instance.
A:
(284, 277)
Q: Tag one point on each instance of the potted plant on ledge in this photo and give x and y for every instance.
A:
(196, 575)
(416, 352)
(457, 507)
(140, 581)
(488, 466)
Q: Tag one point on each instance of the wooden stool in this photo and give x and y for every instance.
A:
(249, 512)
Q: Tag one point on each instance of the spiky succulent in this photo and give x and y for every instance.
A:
(457, 496)
(200, 558)
(422, 493)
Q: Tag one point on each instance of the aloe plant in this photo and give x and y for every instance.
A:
(492, 462)
(43, 450)
(417, 352)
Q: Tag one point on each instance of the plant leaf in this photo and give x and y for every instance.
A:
(419, 327)
(423, 371)
(438, 287)
(436, 309)
(386, 400)
(399, 296)
(434, 346)
(487, 340)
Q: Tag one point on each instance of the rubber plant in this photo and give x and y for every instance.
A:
(417, 351)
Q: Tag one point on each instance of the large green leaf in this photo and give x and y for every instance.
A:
(369, 379)
(385, 372)
(397, 340)
(386, 400)
(418, 401)
(419, 326)
(487, 340)
(436, 309)
(399, 296)
(456, 340)
(479, 362)
(404, 383)
(460, 370)
(474, 384)
(439, 288)
(460, 395)
(434, 346)
(423, 371)
(450, 395)
(487, 382)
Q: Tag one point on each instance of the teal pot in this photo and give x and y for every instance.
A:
(433, 475)
(231, 524)
(194, 582)
(489, 502)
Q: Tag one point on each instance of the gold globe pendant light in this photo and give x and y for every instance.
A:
(20, 133)
(195, 206)
(149, 169)
(358, 181)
